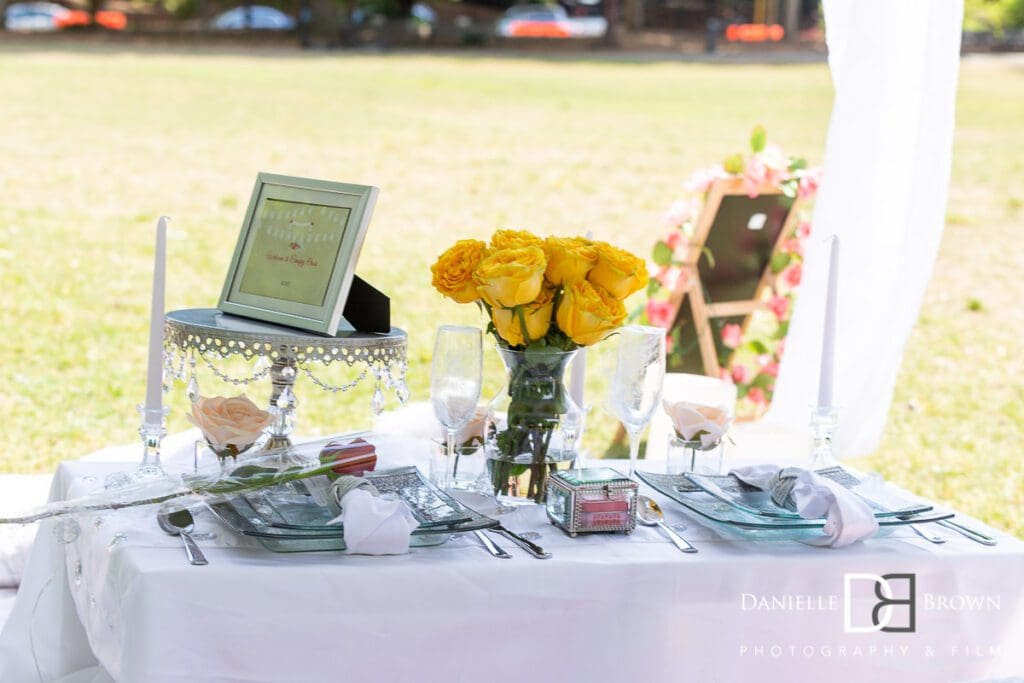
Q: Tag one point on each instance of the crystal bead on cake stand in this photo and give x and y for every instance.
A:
(282, 353)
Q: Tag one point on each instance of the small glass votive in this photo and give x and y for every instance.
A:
(592, 499)
(206, 461)
(693, 456)
(464, 472)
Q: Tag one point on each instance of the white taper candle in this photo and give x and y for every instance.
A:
(155, 368)
(579, 366)
(828, 342)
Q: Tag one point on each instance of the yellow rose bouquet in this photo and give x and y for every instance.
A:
(544, 298)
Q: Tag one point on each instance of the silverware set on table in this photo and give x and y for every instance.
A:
(181, 523)
(649, 513)
(524, 543)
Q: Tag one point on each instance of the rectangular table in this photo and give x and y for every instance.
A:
(121, 603)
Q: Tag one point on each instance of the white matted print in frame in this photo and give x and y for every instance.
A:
(296, 255)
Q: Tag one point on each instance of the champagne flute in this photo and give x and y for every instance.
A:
(636, 384)
(456, 376)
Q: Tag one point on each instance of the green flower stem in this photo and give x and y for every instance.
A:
(243, 479)
(538, 400)
(522, 325)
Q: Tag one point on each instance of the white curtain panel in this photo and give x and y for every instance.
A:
(886, 175)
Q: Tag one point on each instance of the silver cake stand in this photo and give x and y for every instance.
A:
(281, 353)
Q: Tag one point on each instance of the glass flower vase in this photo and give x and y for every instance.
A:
(207, 460)
(533, 426)
(693, 456)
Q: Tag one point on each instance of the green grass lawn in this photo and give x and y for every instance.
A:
(95, 144)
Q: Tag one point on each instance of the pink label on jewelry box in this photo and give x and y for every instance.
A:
(605, 505)
(604, 519)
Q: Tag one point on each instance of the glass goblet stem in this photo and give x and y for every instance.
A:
(451, 465)
(634, 450)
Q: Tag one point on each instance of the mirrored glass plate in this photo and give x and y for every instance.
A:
(884, 501)
(292, 506)
(736, 523)
(275, 543)
(430, 505)
(297, 541)
(268, 524)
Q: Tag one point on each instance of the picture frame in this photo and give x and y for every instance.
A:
(729, 259)
(294, 262)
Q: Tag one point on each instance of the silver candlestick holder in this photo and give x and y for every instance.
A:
(824, 420)
(152, 431)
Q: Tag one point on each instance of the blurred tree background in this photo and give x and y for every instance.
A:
(997, 16)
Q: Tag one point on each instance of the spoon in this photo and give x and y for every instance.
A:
(930, 537)
(180, 523)
(649, 513)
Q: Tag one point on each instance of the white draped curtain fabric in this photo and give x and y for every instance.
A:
(886, 175)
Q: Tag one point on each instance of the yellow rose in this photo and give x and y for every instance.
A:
(569, 259)
(515, 239)
(537, 316)
(511, 277)
(587, 313)
(618, 271)
(453, 272)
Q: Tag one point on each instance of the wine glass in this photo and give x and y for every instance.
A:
(636, 384)
(456, 376)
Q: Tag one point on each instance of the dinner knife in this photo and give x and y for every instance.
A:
(524, 543)
(491, 546)
(968, 532)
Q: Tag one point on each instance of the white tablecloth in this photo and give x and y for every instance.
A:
(120, 603)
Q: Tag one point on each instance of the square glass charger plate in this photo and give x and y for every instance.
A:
(289, 518)
(734, 522)
(881, 500)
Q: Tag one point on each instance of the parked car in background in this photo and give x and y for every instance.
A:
(49, 16)
(253, 18)
(586, 19)
(534, 21)
(588, 27)
(548, 21)
(108, 19)
(33, 16)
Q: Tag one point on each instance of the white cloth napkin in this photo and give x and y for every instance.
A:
(848, 517)
(373, 525)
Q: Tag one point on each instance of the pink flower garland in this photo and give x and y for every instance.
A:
(750, 359)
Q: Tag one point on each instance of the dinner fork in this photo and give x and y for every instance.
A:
(492, 547)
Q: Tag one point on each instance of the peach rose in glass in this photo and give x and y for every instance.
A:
(511, 277)
(587, 314)
(536, 315)
(694, 422)
(617, 271)
(453, 271)
(229, 425)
